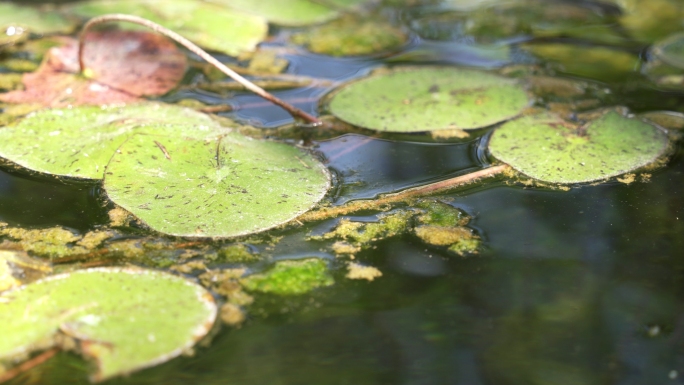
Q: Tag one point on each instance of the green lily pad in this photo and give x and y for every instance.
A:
(592, 62)
(289, 13)
(650, 20)
(79, 142)
(351, 36)
(227, 186)
(33, 19)
(547, 148)
(211, 26)
(124, 319)
(428, 99)
(291, 277)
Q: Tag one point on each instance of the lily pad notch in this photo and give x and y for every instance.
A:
(292, 110)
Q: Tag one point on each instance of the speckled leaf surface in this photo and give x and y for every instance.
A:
(546, 148)
(33, 19)
(428, 99)
(125, 319)
(284, 12)
(79, 142)
(225, 187)
(211, 26)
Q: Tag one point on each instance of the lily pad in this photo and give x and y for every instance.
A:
(284, 12)
(32, 19)
(225, 186)
(428, 99)
(594, 62)
(351, 36)
(79, 142)
(549, 149)
(124, 319)
(650, 20)
(211, 26)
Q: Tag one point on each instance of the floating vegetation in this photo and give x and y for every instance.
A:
(349, 36)
(294, 277)
(594, 62)
(433, 222)
(358, 271)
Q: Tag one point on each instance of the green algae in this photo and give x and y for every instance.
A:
(359, 271)
(54, 242)
(434, 222)
(362, 234)
(460, 240)
(441, 214)
(349, 36)
(226, 282)
(291, 277)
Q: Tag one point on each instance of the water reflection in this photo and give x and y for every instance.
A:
(370, 166)
(32, 202)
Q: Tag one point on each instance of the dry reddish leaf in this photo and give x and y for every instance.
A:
(122, 66)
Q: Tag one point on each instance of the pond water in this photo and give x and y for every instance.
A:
(584, 286)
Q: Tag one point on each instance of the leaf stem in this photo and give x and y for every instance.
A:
(28, 365)
(294, 111)
(412, 193)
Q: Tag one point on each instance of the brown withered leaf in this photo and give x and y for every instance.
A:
(122, 67)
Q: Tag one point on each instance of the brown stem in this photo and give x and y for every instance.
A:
(294, 111)
(412, 193)
(28, 365)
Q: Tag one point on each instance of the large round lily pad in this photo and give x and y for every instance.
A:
(224, 187)
(428, 99)
(549, 149)
(124, 319)
(211, 26)
(79, 142)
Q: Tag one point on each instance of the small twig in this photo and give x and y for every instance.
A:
(28, 365)
(406, 195)
(294, 111)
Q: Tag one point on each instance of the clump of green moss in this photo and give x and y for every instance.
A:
(54, 242)
(460, 240)
(237, 253)
(226, 282)
(362, 234)
(434, 222)
(441, 214)
(349, 36)
(291, 277)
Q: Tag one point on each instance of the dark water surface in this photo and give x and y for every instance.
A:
(576, 287)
